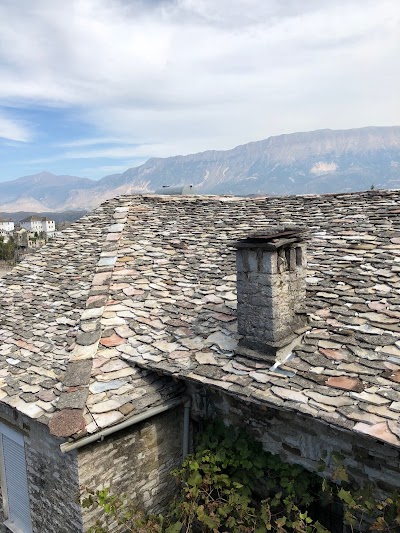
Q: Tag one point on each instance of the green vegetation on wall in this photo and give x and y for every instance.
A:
(220, 490)
(7, 249)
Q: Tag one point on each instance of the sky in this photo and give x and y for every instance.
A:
(93, 87)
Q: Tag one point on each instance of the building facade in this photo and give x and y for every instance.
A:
(6, 225)
(150, 301)
(38, 224)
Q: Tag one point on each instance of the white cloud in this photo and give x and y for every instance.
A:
(120, 152)
(186, 75)
(14, 130)
(92, 141)
(133, 152)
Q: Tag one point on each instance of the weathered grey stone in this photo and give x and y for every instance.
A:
(89, 314)
(107, 261)
(336, 401)
(73, 400)
(225, 342)
(77, 373)
(89, 337)
(97, 386)
(105, 407)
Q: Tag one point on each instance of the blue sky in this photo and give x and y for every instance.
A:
(60, 141)
(93, 87)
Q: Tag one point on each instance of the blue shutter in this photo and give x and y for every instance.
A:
(15, 481)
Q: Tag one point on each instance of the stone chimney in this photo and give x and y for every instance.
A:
(271, 287)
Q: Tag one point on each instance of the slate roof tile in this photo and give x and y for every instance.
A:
(148, 284)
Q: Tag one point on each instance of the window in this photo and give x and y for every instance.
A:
(14, 481)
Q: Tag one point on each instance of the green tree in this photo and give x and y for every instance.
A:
(7, 249)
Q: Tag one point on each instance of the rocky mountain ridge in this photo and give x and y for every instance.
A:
(299, 163)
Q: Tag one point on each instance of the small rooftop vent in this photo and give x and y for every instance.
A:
(271, 271)
(176, 190)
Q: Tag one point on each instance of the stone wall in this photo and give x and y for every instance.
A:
(304, 440)
(271, 291)
(52, 477)
(53, 483)
(136, 461)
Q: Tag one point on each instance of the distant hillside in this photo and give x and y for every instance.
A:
(40, 191)
(297, 163)
(66, 216)
(313, 162)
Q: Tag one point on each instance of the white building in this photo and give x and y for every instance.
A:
(39, 225)
(49, 226)
(6, 225)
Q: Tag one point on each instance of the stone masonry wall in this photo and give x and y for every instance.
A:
(136, 461)
(53, 484)
(271, 290)
(52, 477)
(303, 440)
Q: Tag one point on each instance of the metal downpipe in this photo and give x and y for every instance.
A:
(149, 413)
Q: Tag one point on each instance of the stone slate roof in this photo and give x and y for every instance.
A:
(147, 283)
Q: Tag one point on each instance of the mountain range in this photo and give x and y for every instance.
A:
(298, 163)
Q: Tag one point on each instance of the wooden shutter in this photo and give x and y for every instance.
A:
(15, 482)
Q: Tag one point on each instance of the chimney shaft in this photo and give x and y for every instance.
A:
(271, 271)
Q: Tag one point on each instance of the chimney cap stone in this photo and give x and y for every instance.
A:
(272, 239)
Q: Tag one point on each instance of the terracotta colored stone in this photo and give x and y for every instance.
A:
(26, 345)
(98, 361)
(131, 291)
(345, 383)
(101, 278)
(395, 377)
(323, 312)
(66, 422)
(380, 431)
(377, 306)
(336, 355)
(391, 366)
(113, 340)
(46, 395)
(118, 286)
(113, 237)
(99, 299)
(333, 322)
(224, 317)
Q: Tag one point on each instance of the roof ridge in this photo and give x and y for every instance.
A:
(68, 418)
